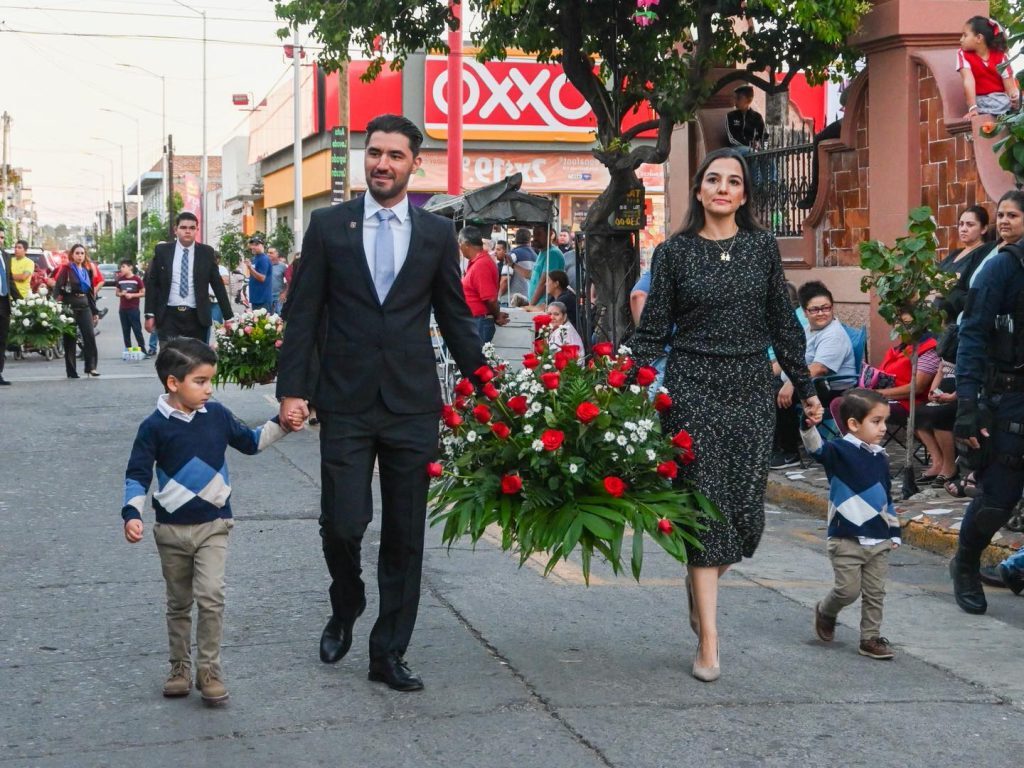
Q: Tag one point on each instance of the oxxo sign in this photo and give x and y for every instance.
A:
(515, 99)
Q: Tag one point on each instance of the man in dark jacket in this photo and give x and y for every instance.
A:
(8, 294)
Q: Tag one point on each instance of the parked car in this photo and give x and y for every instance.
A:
(109, 272)
(43, 259)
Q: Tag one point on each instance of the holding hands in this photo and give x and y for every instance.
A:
(814, 411)
(293, 413)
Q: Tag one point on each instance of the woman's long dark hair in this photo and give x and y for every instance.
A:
(745, 217)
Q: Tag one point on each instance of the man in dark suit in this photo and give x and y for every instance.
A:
(8, 294)
(375, 266)
(179, 283)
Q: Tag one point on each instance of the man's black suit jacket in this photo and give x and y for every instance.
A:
(205, 276)
(373, 348)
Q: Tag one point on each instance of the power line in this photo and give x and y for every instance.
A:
(168, 38)
(279, 22)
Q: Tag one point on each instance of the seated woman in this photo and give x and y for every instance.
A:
(934, 426)
(563, 333)
(897, 364)
(557, 287)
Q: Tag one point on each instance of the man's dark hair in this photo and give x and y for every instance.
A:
(472, 235)
(560, 277)
(502, 243)
(22, 243)
(396, 124)
(567, 230)
(744, 90)
(180, 356)
(811, 290)
(186, 216)
(123, 262)
(523, 236)
(857, 403)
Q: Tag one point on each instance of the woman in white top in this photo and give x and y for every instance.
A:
(563, 333)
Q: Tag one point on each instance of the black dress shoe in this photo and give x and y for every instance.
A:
(393, 671)
(4, 382)
(1011, 578)
(74, 376)
(967, 589)
(336, 640)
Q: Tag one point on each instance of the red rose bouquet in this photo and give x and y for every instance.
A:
(566, 454)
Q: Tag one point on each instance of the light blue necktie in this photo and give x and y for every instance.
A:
(183, 275)
(3, 279)
(384, 254)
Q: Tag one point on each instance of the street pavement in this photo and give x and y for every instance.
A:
(521, 671)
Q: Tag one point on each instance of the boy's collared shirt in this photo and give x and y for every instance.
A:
(167, 410)
(852, 438)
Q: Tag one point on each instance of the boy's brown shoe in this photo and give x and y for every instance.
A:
(179, 682)
(876, 648)
(210, 685)
(824, 626)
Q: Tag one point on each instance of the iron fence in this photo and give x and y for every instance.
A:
(781, 176)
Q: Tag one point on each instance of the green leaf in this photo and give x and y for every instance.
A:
(637, 560)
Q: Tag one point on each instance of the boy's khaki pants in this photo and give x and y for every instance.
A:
(193, 558)
(860, 572)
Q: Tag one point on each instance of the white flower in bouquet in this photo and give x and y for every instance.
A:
(537, 445)
(15, 312)
(630, 450)
(26, 322)
(528, 429)
(609, 437)
(43, 290)
(621, 440)
(471, 436)
(634, 389)
(624, 350)
(535, 408)
(45, 323)
(630, 426)
(651, 455)
(573, 469)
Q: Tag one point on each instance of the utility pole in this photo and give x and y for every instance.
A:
(7, 140)
(297, 153)
(455, 101)
(343, 121)
(170, 186)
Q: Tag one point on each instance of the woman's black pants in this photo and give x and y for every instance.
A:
(84, 321)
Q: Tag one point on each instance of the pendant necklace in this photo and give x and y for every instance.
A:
(725, 254)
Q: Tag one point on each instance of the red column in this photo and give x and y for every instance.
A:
(455, 102)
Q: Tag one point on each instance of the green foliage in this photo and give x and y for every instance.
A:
(247, 348)
(564, 463)
(232, 245)
(281, 238)
(905, 278)
(111, 249)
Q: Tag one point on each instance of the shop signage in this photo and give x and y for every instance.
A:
(339, 163)
(514, 100)
(629, 214)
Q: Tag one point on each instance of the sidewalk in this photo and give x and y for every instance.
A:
(930, 519)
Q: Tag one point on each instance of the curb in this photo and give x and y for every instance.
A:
(922, 534)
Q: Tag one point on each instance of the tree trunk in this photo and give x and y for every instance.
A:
(612, 260)
(909, 465)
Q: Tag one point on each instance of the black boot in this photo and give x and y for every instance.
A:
(967, 589)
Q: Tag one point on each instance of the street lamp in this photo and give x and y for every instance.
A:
(138, 184)
(111, 161)
(166, 189)
(203, 170)
(124, 205)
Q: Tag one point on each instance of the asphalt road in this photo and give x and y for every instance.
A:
(521, 671)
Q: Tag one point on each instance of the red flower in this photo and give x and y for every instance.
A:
(434, 469)
(604, 348)
(561, 360)
(518, 405)
(464, 387)
(617, 379)
(482, 414)
(668, 469)
(511, 484)
(530, 360)
(572, 351)
(461, 403)
(540, 346)
(490, 391)
(485, 373)
(552, 439)
(541, 320)
(662, 402)
(551, 379)
(625, 364)
(646, 376)
(614, 486)
(684, 443)
(450, 417)
(587, 412)
(500, 430)
(665, 526)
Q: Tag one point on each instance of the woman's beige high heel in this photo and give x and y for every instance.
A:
(706, 674)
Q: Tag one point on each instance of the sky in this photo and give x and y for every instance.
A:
(61, 62)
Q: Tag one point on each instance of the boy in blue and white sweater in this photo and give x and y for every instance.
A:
(862, 524)
(186, 438)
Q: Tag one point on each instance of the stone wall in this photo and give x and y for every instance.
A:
(845, 223)
(949, 174)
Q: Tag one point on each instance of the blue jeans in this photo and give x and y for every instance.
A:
(153, 338)
(485, 328)
(216, 313)
(130, 322)
(1015, 562)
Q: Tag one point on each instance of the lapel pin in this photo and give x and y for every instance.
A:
(351, 225)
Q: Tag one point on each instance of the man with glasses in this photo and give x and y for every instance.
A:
(829, 352)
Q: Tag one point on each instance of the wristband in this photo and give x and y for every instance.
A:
(972, 108)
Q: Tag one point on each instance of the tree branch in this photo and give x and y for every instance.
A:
(639, 128)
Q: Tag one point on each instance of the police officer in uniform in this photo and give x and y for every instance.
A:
(989, 425)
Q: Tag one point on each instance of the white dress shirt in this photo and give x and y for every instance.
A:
(189, 299)
(401, 230)
(168, 411)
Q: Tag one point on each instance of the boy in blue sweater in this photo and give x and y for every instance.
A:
(186, 438)
(862, 524)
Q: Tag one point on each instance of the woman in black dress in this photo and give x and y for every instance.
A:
(718, 298)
